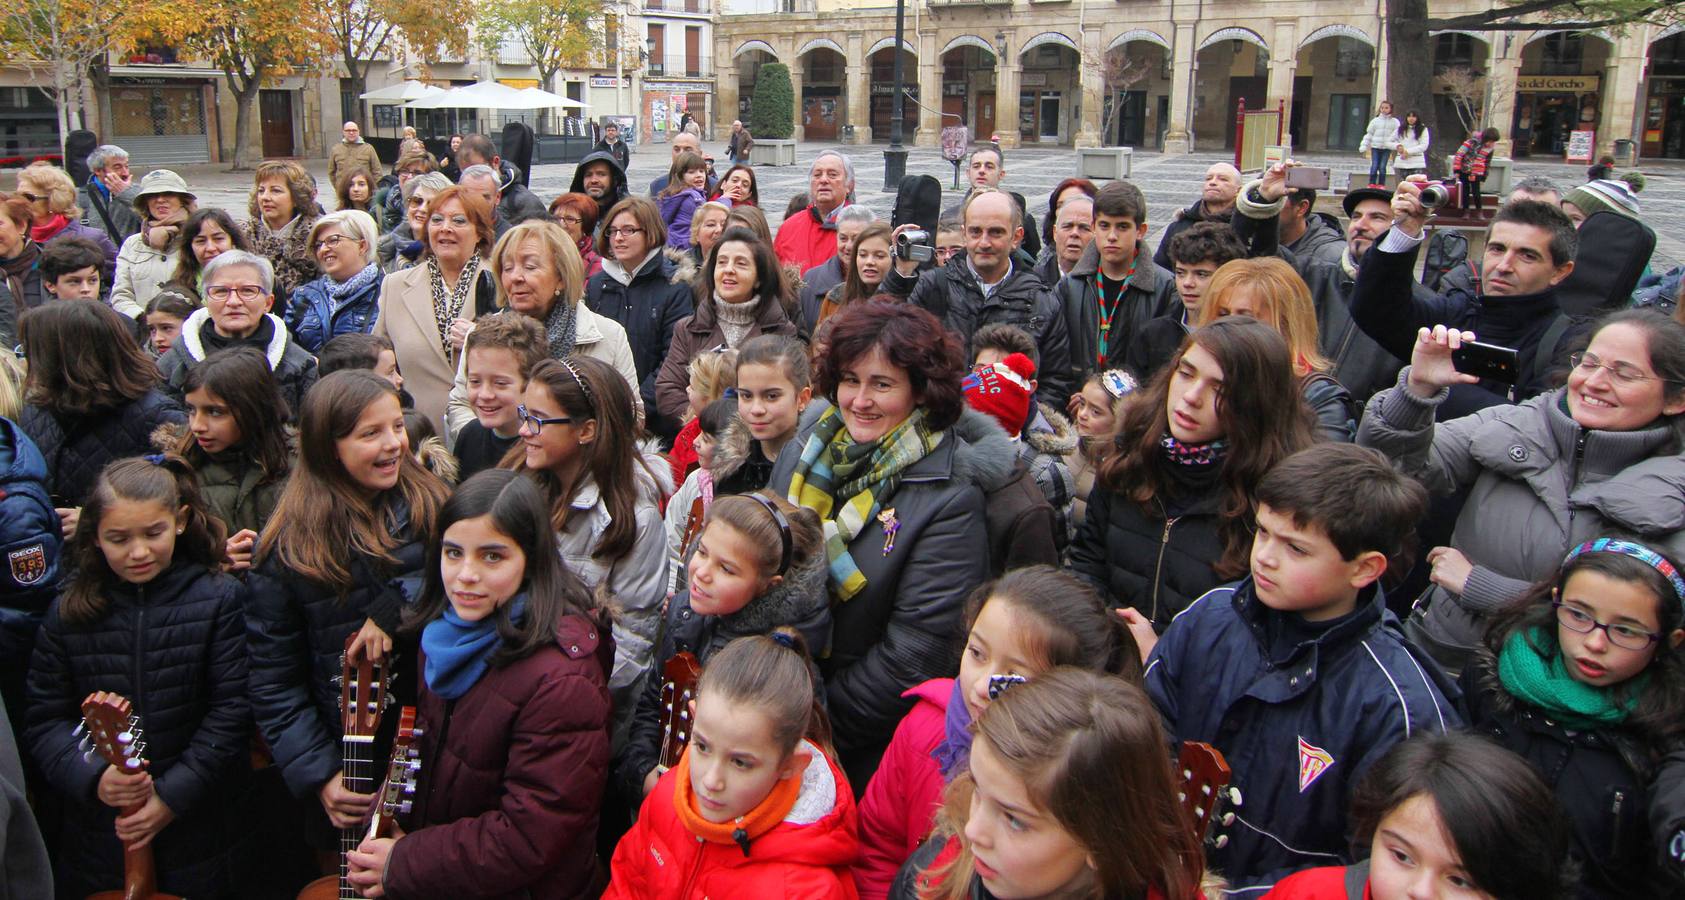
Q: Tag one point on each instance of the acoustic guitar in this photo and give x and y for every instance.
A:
(1205, 791)
(397, 791)
(362, 700)
(111, 730)
(678, 688)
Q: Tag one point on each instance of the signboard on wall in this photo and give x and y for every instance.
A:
(1556, 84)
(1580, 144)
(609, 81)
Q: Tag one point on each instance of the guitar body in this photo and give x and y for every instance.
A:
(113, 732)
(678, 688)
(324, 888)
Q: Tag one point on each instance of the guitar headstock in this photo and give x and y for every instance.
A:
(112, 730)
(362, 692)
(678, 688)
(1204, 776)
(402, 772)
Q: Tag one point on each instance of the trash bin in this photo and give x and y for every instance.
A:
(848, 134)
(1624, 154)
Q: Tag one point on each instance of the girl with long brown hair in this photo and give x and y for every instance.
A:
(353, 518)
(578, 437)
(1170, 514)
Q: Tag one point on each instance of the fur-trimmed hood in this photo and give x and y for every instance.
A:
(193, 343)
(685, 265)
(1050, 432)
(985, 455)
(801, 601)
(731, 450)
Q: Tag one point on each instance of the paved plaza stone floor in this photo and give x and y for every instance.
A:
(1170, 182)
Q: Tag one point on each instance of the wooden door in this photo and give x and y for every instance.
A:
(985, 116)
(275, 111)
(693, 53)
(953, 112)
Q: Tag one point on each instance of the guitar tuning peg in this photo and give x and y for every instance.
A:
(88, 755)
(139, 748)
(404, 807)
(134, 721)
(1234, 797)
(416, 733)
(1221, 841)
(414, 766)
(80, 729)
(86, 743)
(125, 738)
(337, 681)
(1228, 818)
(133, 764)
(409, 787)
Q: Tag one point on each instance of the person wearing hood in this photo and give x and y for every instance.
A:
(601, 177)
(31, 530)
(1216, 204)
(516, 203)
(636, 289)
(239, 292)
(992, 283)
(146, 262)
(739, 295)
(1309, 234)
(902, 490)
(345, 300)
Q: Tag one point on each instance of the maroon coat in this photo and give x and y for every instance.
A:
(512, 777)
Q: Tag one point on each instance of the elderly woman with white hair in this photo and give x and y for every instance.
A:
(239, 291)
(402, 247)
(346, 299)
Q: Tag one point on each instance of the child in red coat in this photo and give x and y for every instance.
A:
(752, 809)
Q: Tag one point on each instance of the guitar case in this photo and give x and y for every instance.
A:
(1614, 250)
(517, 149)
(918, 200)
(77, 145)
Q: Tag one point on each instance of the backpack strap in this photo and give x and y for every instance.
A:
(1357, 880)
(99, 207)
(1547, 345)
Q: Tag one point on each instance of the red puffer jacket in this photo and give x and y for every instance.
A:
(660, 859)
(512, 779)
(806, 239)
(901, 801)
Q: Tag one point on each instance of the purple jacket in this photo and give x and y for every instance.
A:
(676, 212)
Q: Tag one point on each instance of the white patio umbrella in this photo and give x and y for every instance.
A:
(537, 98)
(482, 95)
(403, 90)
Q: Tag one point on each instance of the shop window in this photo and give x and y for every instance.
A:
(824, 67)
(1562, 53)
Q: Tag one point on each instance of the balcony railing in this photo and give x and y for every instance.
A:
(679, 6)
(678, 65)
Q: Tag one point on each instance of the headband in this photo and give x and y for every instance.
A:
(590, 398)
(1637, 551)
(783, 531)
(1117, 382)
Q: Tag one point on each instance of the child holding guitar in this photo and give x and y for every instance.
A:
(514, 713)
(352, 518)
(149, 615)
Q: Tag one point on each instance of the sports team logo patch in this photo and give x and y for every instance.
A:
(1313, 761)
(29, 564)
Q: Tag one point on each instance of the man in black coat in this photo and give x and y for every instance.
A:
(990, 283)
(1216, 204)
(516, 204)
(614, 146)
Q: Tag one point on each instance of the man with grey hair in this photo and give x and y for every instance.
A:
(239, 292)
(352, 153)
(807, 238)
(107, 200)
(1216, 204)
(513, 201)
(818, 281)
(481, 180)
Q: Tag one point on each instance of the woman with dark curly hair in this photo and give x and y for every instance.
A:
(282, 211)
(898, 490)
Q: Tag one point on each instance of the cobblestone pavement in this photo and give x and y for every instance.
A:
(1170, 182)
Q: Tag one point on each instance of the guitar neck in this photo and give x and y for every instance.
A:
(360, 771)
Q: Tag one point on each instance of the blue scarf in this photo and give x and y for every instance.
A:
(459, 652)
(953, 755)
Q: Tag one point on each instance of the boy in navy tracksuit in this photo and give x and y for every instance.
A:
(1298, 674)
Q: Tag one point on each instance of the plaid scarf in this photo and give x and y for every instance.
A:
(846, 483)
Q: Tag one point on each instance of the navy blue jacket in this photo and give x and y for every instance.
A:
(78, 449)
(315, 319)
(1298, 735)
(30, 549)
(648, 309)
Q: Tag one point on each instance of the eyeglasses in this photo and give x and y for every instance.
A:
(246, 292)
(457, 221)
(333, 240)
(536, 423)
(628, 231)
(1627, 637)
(417, 201)
(1621, 372)
(33, 198)
(569, 220)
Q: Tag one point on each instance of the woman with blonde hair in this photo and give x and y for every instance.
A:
(345, 299)
(53, 212)
(282, 211)
(1267, 289)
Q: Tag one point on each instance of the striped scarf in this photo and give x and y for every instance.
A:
(846, 483)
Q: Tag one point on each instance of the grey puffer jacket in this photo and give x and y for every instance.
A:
(1537, 484)
(903, 628)
(1322, 240)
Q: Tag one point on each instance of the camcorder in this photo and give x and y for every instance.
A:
(914, 245)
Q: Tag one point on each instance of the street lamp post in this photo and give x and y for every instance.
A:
(895, 158)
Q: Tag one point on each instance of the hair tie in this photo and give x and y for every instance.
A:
(156, 459)
(1637, 551)
(783, 640)
(783, 531)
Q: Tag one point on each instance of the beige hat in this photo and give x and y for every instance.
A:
(161, 181)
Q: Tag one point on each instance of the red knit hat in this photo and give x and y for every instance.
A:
(1002, 390)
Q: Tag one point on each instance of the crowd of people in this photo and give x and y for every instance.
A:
(968, 545)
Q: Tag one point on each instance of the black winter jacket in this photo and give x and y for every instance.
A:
(1604, 779)
(175, 647)
(297, 630)
(1186, 218)
(77, 451)
(953, 295)
(1151, 295)
(1141, 560)
(294, 367)
(902, 629)
(648, 308)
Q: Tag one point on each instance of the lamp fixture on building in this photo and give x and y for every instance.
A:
(1000, 45)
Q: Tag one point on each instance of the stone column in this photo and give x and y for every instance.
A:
(1381, 60)
(726, 87)
(930, 93)
(1176, 138)
(1618, 92)
(1284, 61)
(1501, 70)
(797, 70)
(858, 90)
(1006, 95)
(1093, 88)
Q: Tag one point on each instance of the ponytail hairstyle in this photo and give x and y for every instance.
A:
(1064, 620)
(241, 378)
(1657, 702)
(771, 673)
(166, 479)
(1090, 751)
(1264, 421)
(586, 389)
(1496, 812)
(324, 519)
(752, 516)
(517, 511)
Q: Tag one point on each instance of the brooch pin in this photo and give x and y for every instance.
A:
(891, 526)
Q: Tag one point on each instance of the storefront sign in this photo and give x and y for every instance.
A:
(609, 81)
(1580, 144)
(679, 87)
(519, 84)
(1556, 84)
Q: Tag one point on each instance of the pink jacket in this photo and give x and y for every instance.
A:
(902, 798)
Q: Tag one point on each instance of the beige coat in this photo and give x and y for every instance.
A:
(345, 157)
(406, 319)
